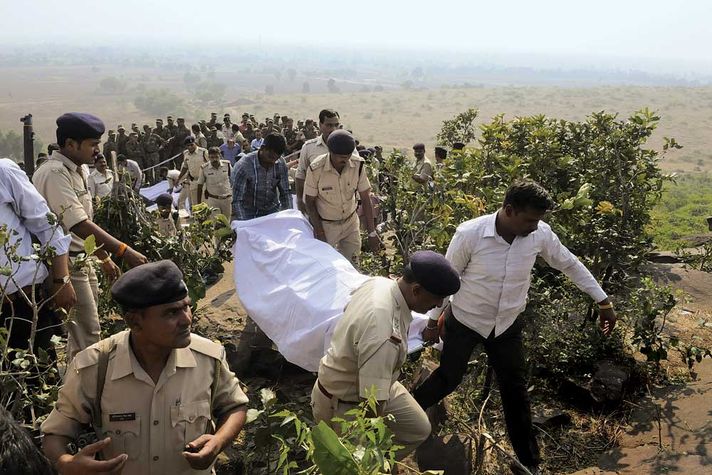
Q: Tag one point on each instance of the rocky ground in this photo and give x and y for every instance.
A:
(668, 431)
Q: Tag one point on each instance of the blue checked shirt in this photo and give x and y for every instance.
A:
(258, 191)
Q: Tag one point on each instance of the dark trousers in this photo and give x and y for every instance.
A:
(18, 313)
(506, 356)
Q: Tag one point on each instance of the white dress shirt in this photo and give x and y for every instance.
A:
(25, 211)
(495, 275)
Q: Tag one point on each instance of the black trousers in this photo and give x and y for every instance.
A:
(16, 312)
(506, 355)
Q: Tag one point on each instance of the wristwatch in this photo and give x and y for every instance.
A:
(61, 280)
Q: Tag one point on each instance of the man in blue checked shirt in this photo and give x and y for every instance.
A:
(260, 184)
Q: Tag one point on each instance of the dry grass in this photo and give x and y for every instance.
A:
(393, 118)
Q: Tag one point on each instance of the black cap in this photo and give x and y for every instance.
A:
(79, 126)
(434, 273)
(341, 142)
(189, 140)
(164, 199)
(155, 283)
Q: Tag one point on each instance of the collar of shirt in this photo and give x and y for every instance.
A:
(126, 363)
(402, 305)
(329, 167)
(67, 162)
(490, 225)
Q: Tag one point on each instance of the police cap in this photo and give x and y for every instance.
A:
(341, 142)
(189, 140)
(164, 199)
(147, 285)
(435, 273)
(79, 126)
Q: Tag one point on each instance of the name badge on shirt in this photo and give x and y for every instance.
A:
(327, 188)
(125, 416)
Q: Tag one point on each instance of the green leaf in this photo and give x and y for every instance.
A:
(330, 455)
(90, 245)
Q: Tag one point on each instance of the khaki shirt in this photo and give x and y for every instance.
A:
(424, 168)
(166, 226)
(336, 192)
(310, 150)
(193, 161)
(63, 184)
(150, 422)
(369, 344)
(216, 180)
(100, 185)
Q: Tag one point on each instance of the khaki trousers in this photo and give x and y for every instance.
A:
(344, 237)
(410, 424)
(223, 205)
(189, 190)
(83, 322)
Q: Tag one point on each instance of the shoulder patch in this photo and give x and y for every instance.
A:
(206, 347)
(396, 339)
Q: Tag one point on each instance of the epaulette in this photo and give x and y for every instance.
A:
(318, 162)
(311, 140)
(206, 347)
(86, 358)
(204, 164)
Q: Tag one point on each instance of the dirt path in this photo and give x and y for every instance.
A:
(671, 429)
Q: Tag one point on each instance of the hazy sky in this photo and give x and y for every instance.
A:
(665, 30)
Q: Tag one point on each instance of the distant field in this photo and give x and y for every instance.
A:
(393, 118)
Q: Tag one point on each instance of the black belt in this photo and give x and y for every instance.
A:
(338, 220)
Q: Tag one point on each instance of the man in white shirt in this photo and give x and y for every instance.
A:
(494, 255)
(101, 180)
(25, 211)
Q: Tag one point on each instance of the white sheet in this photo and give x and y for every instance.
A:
(295, 287)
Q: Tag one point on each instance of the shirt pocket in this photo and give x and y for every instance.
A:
(125, 436)
(189, 421)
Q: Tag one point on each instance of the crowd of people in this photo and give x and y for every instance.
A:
(164, 400)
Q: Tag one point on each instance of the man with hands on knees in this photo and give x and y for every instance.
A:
(163, 387)
(332, 182)
(494, 255)
(62, 181)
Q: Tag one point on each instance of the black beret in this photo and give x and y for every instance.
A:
(155, 283)
(79, 126)
(189, 139)
(341, 142)
(434, 273)
(419, 146)
(164, 199)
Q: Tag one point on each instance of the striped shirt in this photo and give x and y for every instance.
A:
(259, 191)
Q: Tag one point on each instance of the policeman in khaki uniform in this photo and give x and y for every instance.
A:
(163, 386)
(62, 181)
(315, 147)
(423, 172)
(164, 221)
(330, 197)
(370, 344)
(193, 159)
(214, 183)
